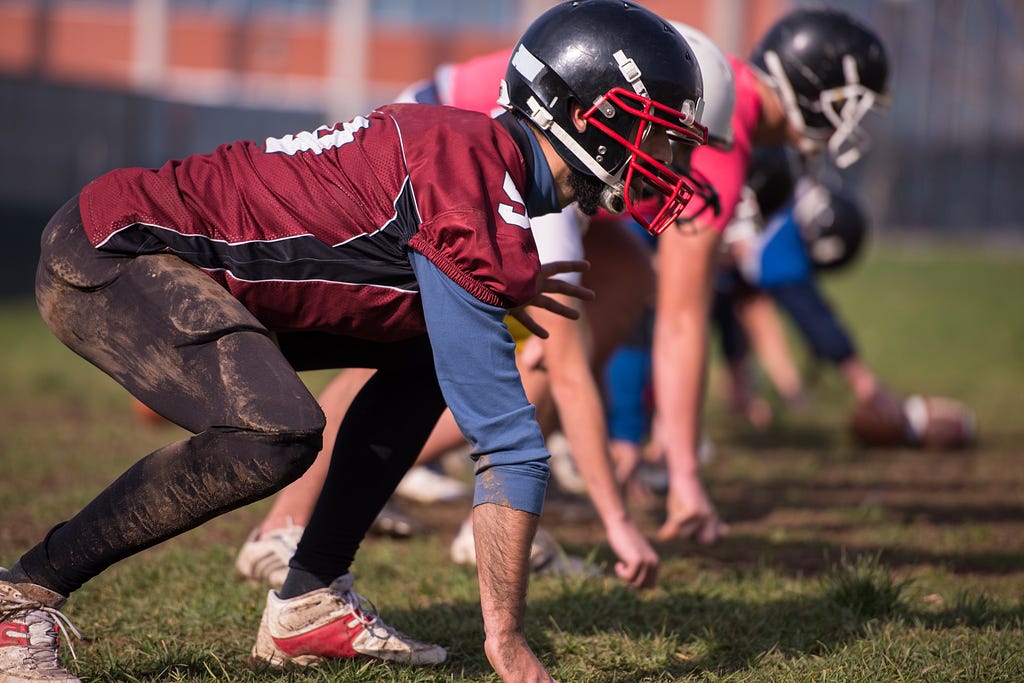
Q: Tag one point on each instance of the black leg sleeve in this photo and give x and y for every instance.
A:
(378, 441)
(177, 340)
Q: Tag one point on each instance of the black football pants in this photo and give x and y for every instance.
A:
(183, 345)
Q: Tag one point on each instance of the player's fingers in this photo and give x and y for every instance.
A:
(556, 286)
(555, 306)
(528, 322)
(647, 576)
(670, 528)
(711, 531)
(630, 572)
(683, 527)
(558, 267)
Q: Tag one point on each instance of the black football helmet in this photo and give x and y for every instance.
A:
(629, 70)
(830, 70)
(832, 224)
(773, 173)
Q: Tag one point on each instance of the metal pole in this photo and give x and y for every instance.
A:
(348, 30)
(149, 62)
(726, 25)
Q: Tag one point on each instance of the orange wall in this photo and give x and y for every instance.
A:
(78, 42)
(93, 43)
(16, 38)
(404, 56)
(86, 41)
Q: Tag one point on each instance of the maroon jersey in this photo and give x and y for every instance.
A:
(310, 231)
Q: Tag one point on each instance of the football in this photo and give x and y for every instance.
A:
(880, 422)
(939, 423)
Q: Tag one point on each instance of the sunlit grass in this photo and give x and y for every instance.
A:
(843, 565)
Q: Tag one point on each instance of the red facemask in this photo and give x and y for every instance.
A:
(676, 188)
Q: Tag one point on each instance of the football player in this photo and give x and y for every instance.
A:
(796, 228)
(398, 240)
(557, 371)
(813, 226)
(813, 77)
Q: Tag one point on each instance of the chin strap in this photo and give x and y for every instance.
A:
(543, 119)
(529, 67)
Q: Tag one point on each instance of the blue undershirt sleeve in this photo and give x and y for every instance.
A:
(474, 356)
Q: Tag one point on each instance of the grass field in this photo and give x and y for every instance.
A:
(842, 565)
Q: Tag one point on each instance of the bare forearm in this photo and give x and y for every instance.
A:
(686, 266)
(503, 536)
(581, 414)
(578, 399)
(679, 369)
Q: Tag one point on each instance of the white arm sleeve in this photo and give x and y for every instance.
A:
(559, 237)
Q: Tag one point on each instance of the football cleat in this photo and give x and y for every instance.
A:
(424, 485)
(30, 628)
(547, 557)
(333, 623)
(264, 558)
(394, 523)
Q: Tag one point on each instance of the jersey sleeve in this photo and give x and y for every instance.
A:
(468, 180)
(474, 356)
(727, 170)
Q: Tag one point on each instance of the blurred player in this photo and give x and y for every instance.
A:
(812, 227)
(205, 285)
(812, 79)
(795, 229)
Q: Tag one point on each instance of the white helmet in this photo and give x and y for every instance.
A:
(719, 86)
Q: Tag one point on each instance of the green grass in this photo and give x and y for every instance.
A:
(842, 565)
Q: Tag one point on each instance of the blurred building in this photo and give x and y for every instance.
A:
(289, 53)
(89, 85)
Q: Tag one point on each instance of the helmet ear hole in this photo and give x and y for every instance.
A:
(575, 111)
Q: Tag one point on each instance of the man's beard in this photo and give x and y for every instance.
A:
(587, 190)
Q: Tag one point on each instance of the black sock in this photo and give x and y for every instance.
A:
(299, 582)
(15, 574)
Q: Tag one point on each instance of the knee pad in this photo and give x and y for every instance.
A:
(266, 461)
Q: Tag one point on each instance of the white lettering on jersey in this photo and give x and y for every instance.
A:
(513, 215)
(315, 142)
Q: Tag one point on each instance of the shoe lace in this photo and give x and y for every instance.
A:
(44, 623)
(363, 608)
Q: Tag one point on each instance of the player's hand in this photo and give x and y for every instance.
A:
(548, 284)
(626, 458)
(531, 354)
(514, 661)
(638, 563)
(691, 515)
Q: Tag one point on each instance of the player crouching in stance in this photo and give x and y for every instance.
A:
(204, 286)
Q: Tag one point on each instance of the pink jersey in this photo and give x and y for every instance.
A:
(727, 171)
(310, 231)
(473, 84)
